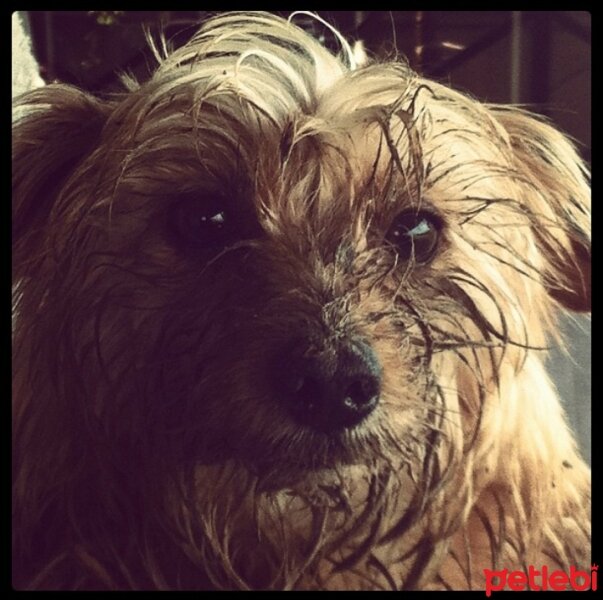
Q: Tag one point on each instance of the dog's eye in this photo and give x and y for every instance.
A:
(201, 222)
(415, 235)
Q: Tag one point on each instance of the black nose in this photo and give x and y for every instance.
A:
(330, 389)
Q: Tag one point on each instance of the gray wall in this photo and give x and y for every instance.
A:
(571, 371)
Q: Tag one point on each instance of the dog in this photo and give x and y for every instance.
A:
(280, 322)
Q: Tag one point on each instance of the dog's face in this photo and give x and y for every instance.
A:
(261, 259)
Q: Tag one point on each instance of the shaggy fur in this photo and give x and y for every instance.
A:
(150, 449)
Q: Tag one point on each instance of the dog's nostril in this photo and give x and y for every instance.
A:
(329, 390)
(361, 393)
(307, 389)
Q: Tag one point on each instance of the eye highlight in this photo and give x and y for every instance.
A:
(415, 235)
(202, 222)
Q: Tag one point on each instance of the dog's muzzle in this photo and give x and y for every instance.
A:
(330, 389)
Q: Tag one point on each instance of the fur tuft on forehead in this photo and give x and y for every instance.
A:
(257, 55)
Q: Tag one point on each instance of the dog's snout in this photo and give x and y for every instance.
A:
(329, 390)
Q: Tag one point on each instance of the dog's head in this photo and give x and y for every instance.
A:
(266, 259)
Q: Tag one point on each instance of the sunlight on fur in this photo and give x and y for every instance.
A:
(280, 323)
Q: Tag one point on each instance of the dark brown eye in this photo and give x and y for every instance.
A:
(415, 235)
(202, 222)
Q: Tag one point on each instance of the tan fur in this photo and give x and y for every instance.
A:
(149, 451)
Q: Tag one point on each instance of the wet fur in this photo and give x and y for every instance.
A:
(149, 451)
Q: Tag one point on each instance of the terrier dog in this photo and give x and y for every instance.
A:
(280, 323)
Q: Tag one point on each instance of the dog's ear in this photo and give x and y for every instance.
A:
(558, 203)
(54, 129)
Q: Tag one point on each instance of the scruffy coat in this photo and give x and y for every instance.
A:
(149, 449)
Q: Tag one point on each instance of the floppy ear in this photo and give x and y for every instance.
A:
(560, 205)
(54, 129)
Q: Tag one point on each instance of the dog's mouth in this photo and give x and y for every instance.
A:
(313, 459)
(296, 452)
(313, 450)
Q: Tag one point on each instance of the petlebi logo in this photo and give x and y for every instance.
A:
(541, 580)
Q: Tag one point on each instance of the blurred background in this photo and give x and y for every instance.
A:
(541, 59)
